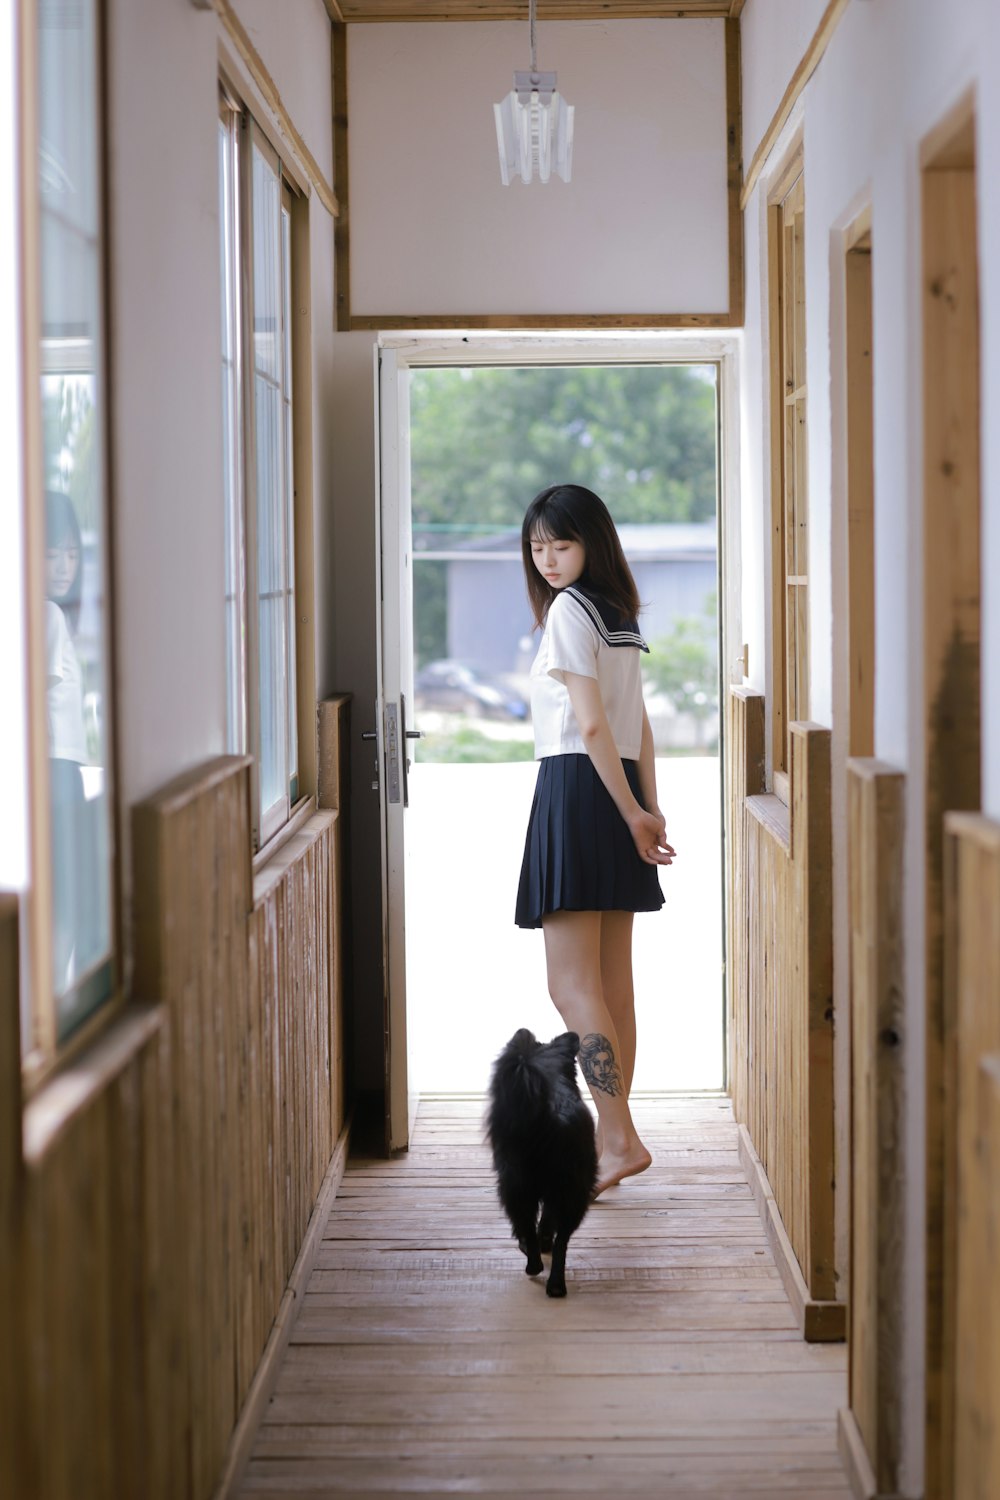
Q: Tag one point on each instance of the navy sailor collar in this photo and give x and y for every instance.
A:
(612, 626)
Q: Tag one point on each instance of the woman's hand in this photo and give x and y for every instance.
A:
(649, 834)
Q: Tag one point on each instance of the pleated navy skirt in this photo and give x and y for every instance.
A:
(578, 853)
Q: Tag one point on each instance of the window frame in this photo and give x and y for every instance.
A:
(268, 826)
(43, 1051)
(789, 634)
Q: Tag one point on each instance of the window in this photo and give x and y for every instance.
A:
(789, 508)
(73, 879)
(256, 217)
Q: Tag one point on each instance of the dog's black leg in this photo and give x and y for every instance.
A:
(546, 1233)
(533, 1260)
(523, 1225)
(556, 1284)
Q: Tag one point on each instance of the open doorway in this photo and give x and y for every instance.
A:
(483, 440)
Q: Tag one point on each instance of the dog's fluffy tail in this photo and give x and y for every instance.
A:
(518, 1078)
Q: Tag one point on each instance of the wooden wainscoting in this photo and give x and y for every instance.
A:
(781, 1002)
(972, 1149)
(166, 1178)
(870, 1427)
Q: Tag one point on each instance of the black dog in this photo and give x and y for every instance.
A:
(544, 1150)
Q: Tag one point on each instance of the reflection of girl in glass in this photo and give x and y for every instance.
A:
(67, 739)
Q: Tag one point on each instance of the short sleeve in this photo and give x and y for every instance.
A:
(571, 640)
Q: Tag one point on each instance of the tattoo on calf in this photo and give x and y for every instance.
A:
(598, 1065)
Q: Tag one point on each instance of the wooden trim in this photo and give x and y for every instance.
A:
(733, 317)
(971, 1025)
(951, 711)
(300, 815)
(810, 61)
(254, 64)
(772, 814)
(820, 1322)
(950, 144)
(277, 866)
(854, 1456)
(258, 1396)
(859, 383)
(543, 321)
(52, 1111)
(857, 235)
(334, 11)
(341, 168)
(40, 1046)
(12, 1375)
(876, 840)
(734, 170)
(302, 497)
(792, 166)
(464, 12)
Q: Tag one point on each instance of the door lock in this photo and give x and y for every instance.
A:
(372, 734)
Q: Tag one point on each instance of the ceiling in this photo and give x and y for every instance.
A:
(517, 10)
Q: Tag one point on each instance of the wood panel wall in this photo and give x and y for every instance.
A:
(781, 990)
(972, 1149)
(876, 821)
(157, 1227)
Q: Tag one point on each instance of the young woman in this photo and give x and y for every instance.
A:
(596, 834)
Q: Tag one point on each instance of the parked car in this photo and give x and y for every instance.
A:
(459, 687)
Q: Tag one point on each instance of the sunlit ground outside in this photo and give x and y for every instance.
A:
(473, 977)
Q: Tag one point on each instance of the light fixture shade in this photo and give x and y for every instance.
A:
(534, 130)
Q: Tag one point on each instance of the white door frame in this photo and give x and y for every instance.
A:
(396, 355)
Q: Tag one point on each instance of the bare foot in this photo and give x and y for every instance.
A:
(612, 1169)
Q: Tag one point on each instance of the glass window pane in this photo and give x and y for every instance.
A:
(286, 299)
(271, 500)
(235, 608)
(76, 624)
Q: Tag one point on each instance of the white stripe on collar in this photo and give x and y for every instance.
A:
(611, 637)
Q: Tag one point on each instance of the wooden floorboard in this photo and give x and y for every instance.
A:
(424, 1362)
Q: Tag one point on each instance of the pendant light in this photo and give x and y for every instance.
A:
(534, 124)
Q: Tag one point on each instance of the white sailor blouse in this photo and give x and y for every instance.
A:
(586, 635)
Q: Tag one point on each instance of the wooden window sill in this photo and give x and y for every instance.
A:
(286, 848)
(69, 1091)
(772, 815)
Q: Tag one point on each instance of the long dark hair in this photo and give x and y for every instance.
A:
(570, 513)
(62, 529)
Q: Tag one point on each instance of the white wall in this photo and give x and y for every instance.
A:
(641, 227)
(163, 71)
(891, 72)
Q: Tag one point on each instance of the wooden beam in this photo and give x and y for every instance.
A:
(810, 61)
(734, 169)
(255, 66)
(342, 228)
(544, 320)
(362, 12)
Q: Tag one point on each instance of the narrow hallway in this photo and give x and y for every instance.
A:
(425, 1362)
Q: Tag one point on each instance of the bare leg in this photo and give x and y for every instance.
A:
(616, 982)
(573, 960)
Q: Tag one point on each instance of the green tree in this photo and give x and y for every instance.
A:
(483, 441)
(684, 663)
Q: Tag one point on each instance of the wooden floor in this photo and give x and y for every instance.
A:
(424, 1361)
